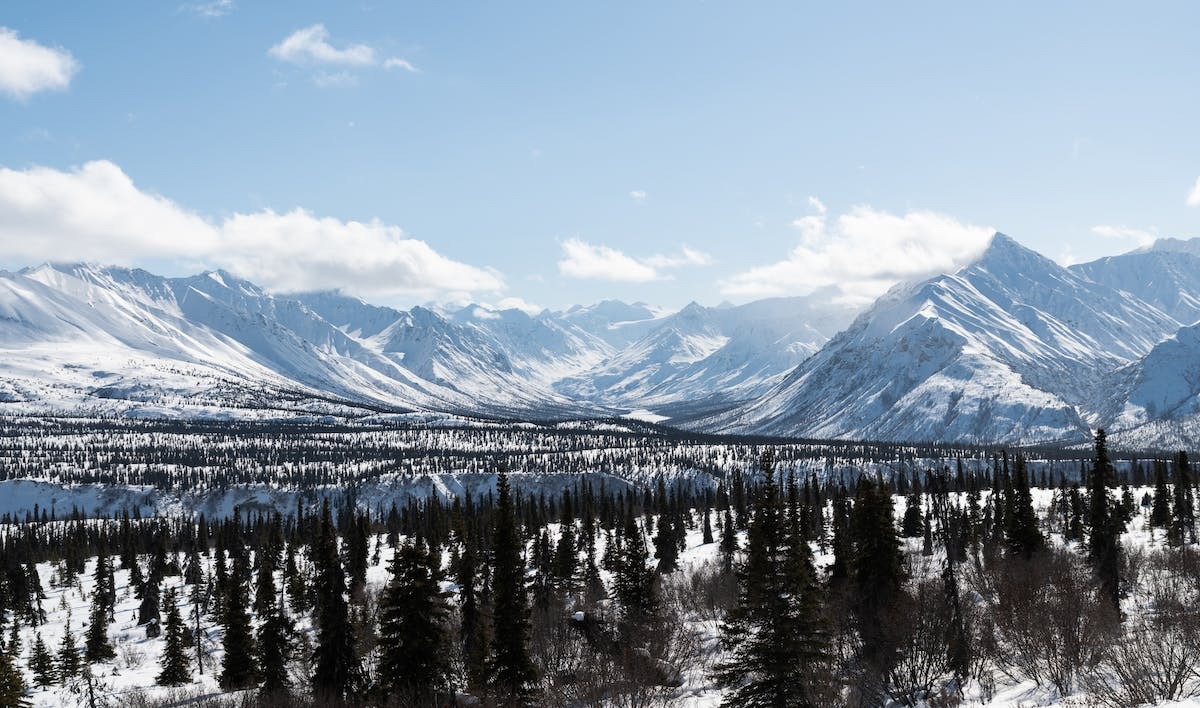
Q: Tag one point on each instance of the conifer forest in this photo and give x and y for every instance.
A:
(693, 571)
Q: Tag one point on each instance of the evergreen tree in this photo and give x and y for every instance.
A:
(69, 660)
(41, 663)
(336, 666)
(665, 549)
(913, 524)
(1160, 514)
(511, 671)
(958, 643)
(412, 661)
(634, 584)
(238, 668)
(1183, 523)
(12, 682)
(1104, 546)
(729, 542)
(707, 537)
(97, 646)
(275, 636)
(876, 572)
(264, 587)
(778, 651)
(1023, 536)
(173, 666)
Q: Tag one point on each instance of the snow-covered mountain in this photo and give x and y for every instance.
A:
(1012, 348)
(707, 356)
(1166, 275)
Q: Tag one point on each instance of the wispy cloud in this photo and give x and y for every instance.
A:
(862, 253)
(591, 262)
(1193, 198)
(311, 47)
(27, 67)
(96, 212)
(398, 63)
(638, 196)
(214, 8)
(1140, 237)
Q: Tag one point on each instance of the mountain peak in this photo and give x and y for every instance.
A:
(1190, 246)
(1006, 254)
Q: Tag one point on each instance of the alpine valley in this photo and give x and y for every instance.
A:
(1012, 348)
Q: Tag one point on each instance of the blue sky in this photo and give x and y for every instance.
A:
(558, 153)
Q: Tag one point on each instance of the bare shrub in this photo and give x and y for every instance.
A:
(1051, 620)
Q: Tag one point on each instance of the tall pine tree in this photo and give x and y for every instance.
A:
(511, 671)
(413, 668)
(336, 667)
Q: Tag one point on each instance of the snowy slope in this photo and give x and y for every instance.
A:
(1010, 348)
(1155, 401)
(1167, 279)
(727, 353)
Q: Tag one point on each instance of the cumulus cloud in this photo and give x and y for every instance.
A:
(862, 253)
(591, 262)
(27, 67)
(310, 47)
(1193, 198)
(1140, 237)
(95, 212)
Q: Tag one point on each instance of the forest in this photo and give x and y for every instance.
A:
(956, 584)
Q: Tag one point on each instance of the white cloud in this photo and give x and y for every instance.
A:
(214, 8)
(516, 303)
(863, 253)
(817, 205)
(583, 260)
(1194, 197)
(27, 67)
(686, 256)
(638, 195)
(1140, 237)
(311, 46)
(96, 213)
(586, 261)
(398, 63)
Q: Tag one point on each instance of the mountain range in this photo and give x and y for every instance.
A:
(1012, 348)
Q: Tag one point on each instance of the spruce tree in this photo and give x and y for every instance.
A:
(665, 549)
(1183, 523)
(1160, 513)
(12, 682)
(335, 660)
(41, 663)
(634, 584)
(777, 649)
(97, 646)
(69, 660)
(1104, 546)
(1023, 536)
(511, 671)
(173, 666)
(707, 537)
(876, 572)
(914, 523)
(412, 659)
(238, 668)
(274, 641)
